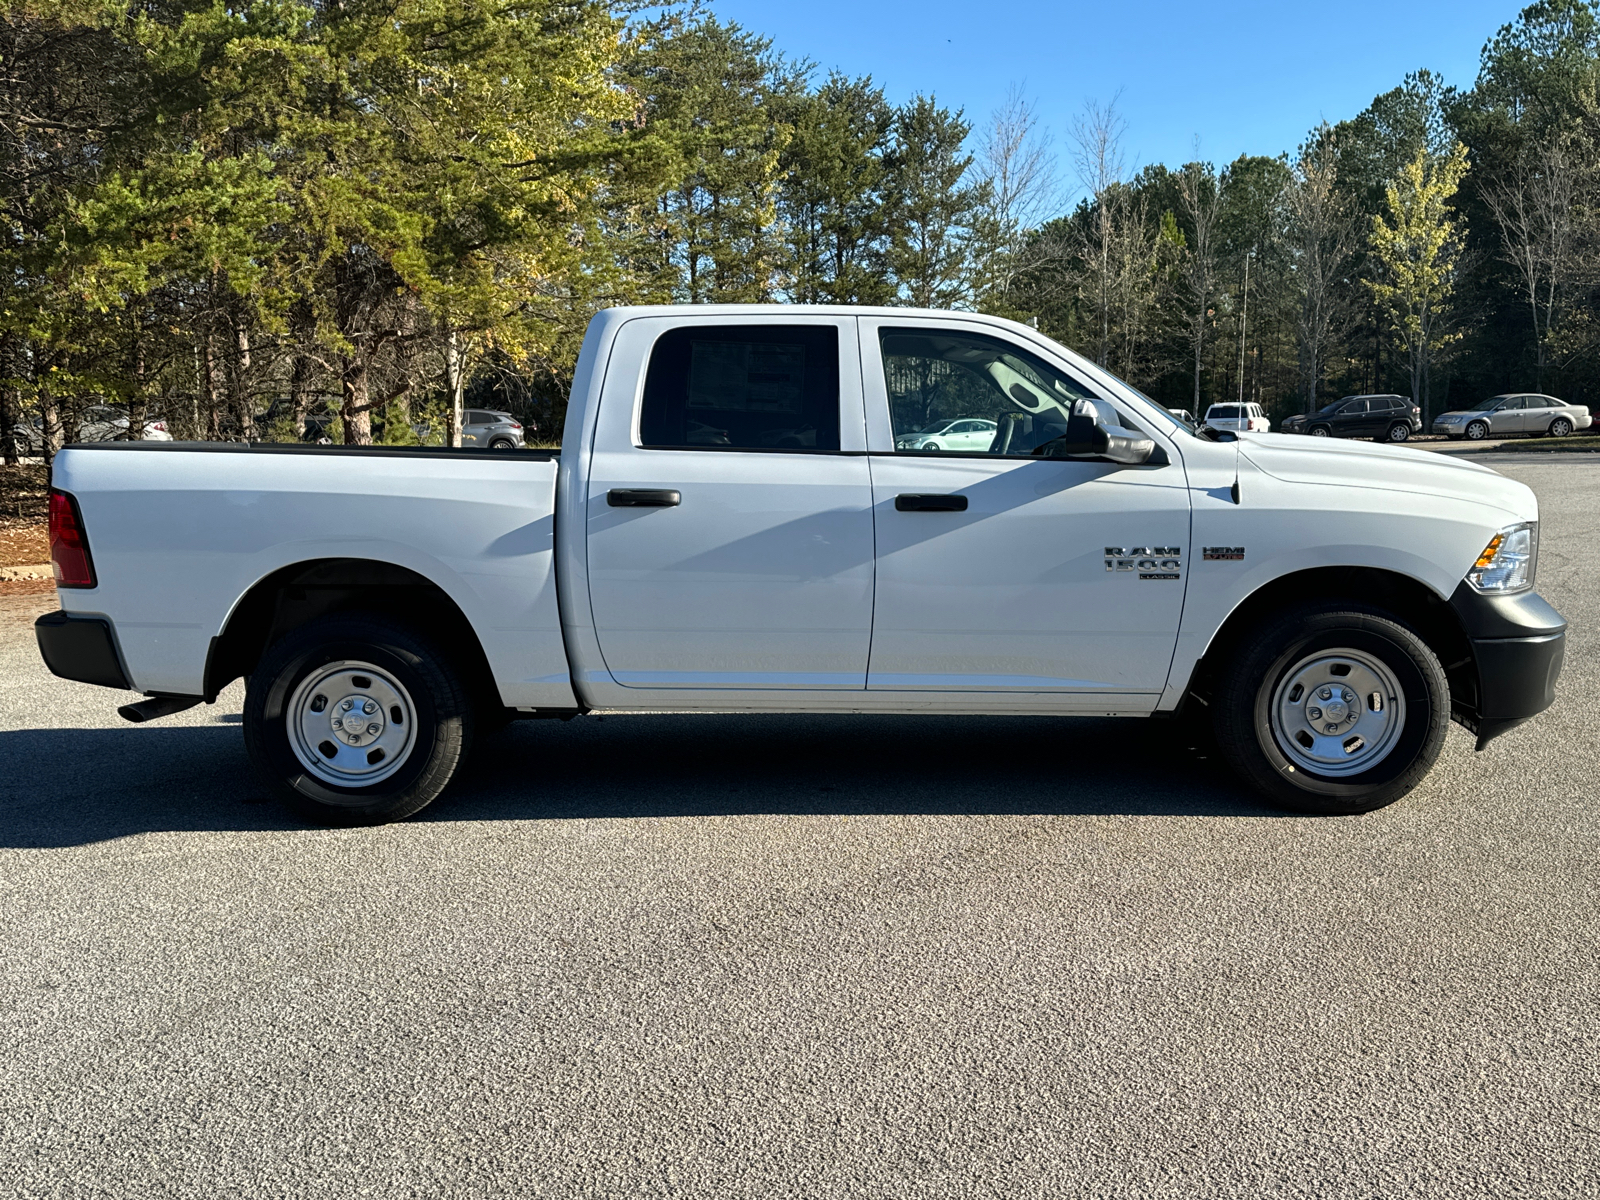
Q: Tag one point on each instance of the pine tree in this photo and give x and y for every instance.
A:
(931, 206)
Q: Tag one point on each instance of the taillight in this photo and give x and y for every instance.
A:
(160, 426)
(514, 425)
(69, 547)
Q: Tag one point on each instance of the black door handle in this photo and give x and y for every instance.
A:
(929, 502)
(643, 498)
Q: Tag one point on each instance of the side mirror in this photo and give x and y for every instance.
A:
(1087, 438)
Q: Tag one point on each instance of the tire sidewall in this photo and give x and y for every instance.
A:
(441, 721)
(1412, 683)
(1244, 724)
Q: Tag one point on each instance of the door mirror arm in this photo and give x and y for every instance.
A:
(1087, 438)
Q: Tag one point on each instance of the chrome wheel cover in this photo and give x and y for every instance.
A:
(1337, 712)
(351, 724)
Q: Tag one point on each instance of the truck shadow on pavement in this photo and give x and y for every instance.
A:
(65, 787)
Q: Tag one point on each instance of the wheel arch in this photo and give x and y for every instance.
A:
(292, 595)
(1412, 601)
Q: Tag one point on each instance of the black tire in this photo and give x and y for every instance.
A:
(1560, 427)
(502, 444)
(1398, 432)
(1476, 431)
(1243, 702)
(441, 716)
(1321, 431)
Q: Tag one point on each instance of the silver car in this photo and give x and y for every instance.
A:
(496, 430)
(1510, 415)
(99, 424)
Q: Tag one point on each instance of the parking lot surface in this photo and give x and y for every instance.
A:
(802, 956)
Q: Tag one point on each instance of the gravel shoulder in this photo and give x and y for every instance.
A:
(801, 956)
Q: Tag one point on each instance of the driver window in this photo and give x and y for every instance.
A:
(1355, 406)
(965, 393)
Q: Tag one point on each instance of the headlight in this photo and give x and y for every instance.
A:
(1507, 562)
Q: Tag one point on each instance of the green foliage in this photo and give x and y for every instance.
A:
(930, 203)
(283, 217)
(1417, 245)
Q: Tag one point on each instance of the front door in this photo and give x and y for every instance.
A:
(730, 507)
(1002, 569)
(1356, 419)
(1507, 418)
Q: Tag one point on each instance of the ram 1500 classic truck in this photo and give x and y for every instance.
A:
(741, 519)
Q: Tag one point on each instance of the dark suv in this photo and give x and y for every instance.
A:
(1381, 418)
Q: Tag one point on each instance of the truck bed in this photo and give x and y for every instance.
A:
(181, 533)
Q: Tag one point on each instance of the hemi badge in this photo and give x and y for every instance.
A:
(1223, 553)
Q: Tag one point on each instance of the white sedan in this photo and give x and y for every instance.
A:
(963, 433)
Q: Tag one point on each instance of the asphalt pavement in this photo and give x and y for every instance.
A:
(770, 956)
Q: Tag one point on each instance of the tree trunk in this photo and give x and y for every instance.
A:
(303, 375)
(208, 391)
(241, 382)
(455, 382)
(300, 382)
(10, 399)
(50, 414)
(357, 410)
(136, 403)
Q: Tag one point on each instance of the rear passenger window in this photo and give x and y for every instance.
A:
(743, 387)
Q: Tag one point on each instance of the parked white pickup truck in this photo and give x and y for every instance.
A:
(732, 525)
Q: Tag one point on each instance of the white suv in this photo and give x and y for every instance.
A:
(1240, 418)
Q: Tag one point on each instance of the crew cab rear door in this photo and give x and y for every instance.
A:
(1002, 570)
(729, 518)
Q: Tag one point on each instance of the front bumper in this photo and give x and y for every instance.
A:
(1448, 430)
(80, 648)
(1518, 644)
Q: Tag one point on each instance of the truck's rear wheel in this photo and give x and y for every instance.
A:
(1333, 709)
(356, 720)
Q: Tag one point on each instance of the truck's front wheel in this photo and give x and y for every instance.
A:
(356, 720)
(1333, 709)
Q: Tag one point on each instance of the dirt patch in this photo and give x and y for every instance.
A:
(24, 517)
(23, 544)
(24, 492)
(27, 587)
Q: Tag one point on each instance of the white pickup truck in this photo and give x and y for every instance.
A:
(737, 522)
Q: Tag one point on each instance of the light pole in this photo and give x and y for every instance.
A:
(1244, 318)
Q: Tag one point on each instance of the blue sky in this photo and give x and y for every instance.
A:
(1243, 77)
